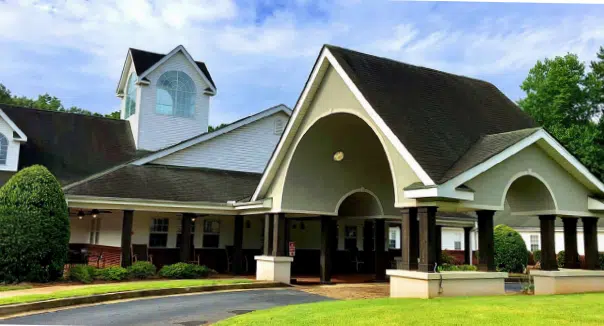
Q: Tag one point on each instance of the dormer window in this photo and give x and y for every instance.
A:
(175, 95)
(3, 149)
(130, 97)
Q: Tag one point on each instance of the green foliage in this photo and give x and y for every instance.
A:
(510, 250)
(47, 102)
(113, 273)
(220, 126)
(446, 258)
(457, 268)
(142, 270)
(82, 273)
(34, 227)
(560, 259)
(185, 271)
(601, 260)
(537, 256)
(567, 101)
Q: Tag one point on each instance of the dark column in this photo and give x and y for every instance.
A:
(127, 238)
(185, 237)
(278, 234)
(439, 244)
(238, 245)
(367, 242)
(410, 241)
(326, 249)
(467, 244)
(548, 243)
(427, 238)
(590, 239)
(486, 243)
(571, 254)
(381, 259)
(268, 234)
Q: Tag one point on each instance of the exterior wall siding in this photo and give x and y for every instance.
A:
(157, 131)
(245, 149)
(559, 238)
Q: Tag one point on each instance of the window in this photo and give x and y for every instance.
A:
(534, 242)
(130, 97)
(179, 235)
(95, 228)
(350, 237)
(211, 233)
(175, 94)
(3, 149)
(457, 245)
(393, 238)
(158, 235)
(279, 126)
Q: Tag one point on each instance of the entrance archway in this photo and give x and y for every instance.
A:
(529, 194)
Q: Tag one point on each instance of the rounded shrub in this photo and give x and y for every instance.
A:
(185, 271)
(537, 256)
(560, 258)
(142, 270)
(510, 250)
(34, 227)
(82, 273)
(113, 273)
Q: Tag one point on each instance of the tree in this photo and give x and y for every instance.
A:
(568, 102)
(34, 227)
(510, 250)
(220, 126)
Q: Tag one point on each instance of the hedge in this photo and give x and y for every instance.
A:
(113, 273)
(82, 273)
(457, 268)
(34, 227)
(141, 270)
(185, 271)
(510, 250)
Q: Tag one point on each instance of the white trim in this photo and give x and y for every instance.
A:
(124, 75)
(436, 192)
(210, 135)
(279, 154)
(595, 204)
(22, 137)
(188, 56)
(535, 175)
(558, 213)
(367, 191)
(148, 205)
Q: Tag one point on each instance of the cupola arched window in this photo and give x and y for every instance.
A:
(175, 94)
(3, 149)
(130, 97)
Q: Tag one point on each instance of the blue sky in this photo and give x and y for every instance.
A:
(260, 52)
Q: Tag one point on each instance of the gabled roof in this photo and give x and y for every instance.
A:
(159, 182)
(437, 116)
(72, 146)
(18, 134)
(213, 134)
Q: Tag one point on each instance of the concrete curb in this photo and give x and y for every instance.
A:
(12, 309)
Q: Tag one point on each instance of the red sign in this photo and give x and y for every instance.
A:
(292, 249)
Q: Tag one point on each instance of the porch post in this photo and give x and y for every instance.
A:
(590, 239)
(185, 237)
(410, 243)
(548, 243)
(326, 249)
(486, 241)
(278, 234)
(439, 245)
(238, 245)
(127, 238)
(571, 254)
(367, 241)
(268, 234)
(427, 240)
(380, 254)
(467, 245)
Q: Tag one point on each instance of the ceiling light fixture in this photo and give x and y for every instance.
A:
(80, 214)
(338, 156)
(95, 213)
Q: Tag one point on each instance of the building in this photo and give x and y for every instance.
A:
(372, 147)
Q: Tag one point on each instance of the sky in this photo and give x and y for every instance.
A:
(260, 52)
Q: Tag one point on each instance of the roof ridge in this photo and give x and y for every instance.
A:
(62, 112)
(193, 168)
(509, 132)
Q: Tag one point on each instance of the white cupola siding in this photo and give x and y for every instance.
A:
(155, 127)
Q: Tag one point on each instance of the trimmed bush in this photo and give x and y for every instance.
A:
(510, 250)
(447, 258)
(457, 268)
(560, 259)
(113, 273)
(537, 256)
(82, 273)
(601, 256)
(142, 270)
(34, 227)
(185, 271)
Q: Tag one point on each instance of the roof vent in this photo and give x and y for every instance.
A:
(279, 126)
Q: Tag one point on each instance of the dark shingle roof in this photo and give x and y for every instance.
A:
(436, 115)
(170, 183)
(72, 146)
(143, 60)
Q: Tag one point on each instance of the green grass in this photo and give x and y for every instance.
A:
(583, 309)
(118, 287)
(14, 287)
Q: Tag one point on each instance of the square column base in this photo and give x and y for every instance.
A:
(567, 281)
(413, 284)
(276, 269)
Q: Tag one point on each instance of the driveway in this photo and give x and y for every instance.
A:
(187, 310)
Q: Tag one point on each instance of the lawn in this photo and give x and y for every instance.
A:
(584, 309)
(14, 287)
(118, 287)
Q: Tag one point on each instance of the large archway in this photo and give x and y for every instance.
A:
(529, 194)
